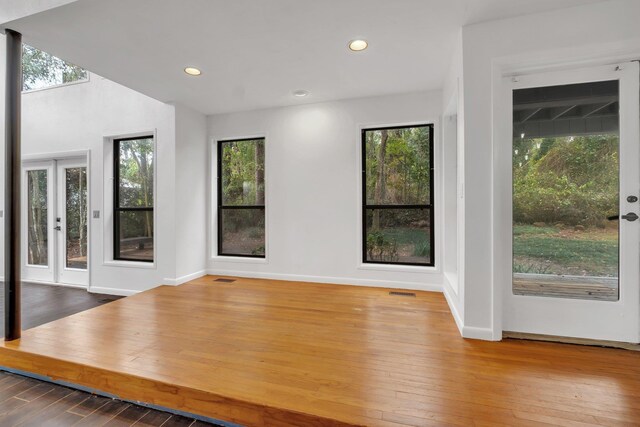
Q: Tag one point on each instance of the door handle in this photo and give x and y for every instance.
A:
(631, 216)
(57, 228)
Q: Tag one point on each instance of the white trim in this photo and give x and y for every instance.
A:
(333, 280)
(186, 278)
(399, 268)
(130, 264)
(113, 291)
(485, 334)
(59, 85)
(238, 259)
(62, 285)
(447, 290)
(56, 155)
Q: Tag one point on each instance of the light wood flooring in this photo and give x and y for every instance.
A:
(262, 352)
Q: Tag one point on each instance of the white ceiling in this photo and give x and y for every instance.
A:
(254, 53)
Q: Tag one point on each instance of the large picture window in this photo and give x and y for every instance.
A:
(397, 185)
(241, 206)
(133, 199)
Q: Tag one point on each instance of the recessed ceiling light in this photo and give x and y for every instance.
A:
(358, 45)
(192, 71)
(300, 93)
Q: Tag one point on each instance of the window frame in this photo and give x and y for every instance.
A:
(116, 200)
(221, 206)
(430, 206)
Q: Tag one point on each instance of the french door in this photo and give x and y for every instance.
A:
(55, 222)
(575, 185)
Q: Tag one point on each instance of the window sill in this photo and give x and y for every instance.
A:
(130, 264)
(400, 268)
(239, 259)
(56, 86)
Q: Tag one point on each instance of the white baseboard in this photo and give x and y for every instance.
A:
(470, 332)
(63, 285)
(112, 291)
(485, 334)
(432, 287)
(451, 298)
(185, 279)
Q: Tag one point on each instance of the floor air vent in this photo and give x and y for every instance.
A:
(225, 280)
(402, 294)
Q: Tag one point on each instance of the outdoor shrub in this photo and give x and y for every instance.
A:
(380, 248)
(568, 180)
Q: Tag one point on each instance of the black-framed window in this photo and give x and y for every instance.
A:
(241, 205)
(397, 195)
(133, 198)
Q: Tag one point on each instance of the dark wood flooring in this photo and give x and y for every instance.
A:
(45, 303)
(29, 402)
(26, 402)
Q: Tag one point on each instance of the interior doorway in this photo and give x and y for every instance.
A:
(55, 221)
(575, 233)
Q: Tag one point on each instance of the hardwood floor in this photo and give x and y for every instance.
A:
(261, 352)
(45, 303)
(26, 402)
(29, 402)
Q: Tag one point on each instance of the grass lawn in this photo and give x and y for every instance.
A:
(554, 250)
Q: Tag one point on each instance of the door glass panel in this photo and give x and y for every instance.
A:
(566, 191)
(76, 218)
(37, 218)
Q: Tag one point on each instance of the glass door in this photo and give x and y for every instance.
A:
(575, 188)
(55, 222)
(37, 222)
(72, 223)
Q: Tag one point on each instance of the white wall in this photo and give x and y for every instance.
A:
(191, 162)
(453, 164)
(601, 32)
(313, 193)
(82, 117)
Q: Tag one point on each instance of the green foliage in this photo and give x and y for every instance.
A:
(568, 180)
(40, 70)
(76, 215)
(550, 250)
(243, 172)
(422, 249)
(380, 248)
(37, 212)
(405, 166)
(532, 268)
(136, 186)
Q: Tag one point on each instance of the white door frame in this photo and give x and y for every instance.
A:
(602, 320)
(79, 156)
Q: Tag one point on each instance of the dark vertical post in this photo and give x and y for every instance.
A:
(13, 171)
